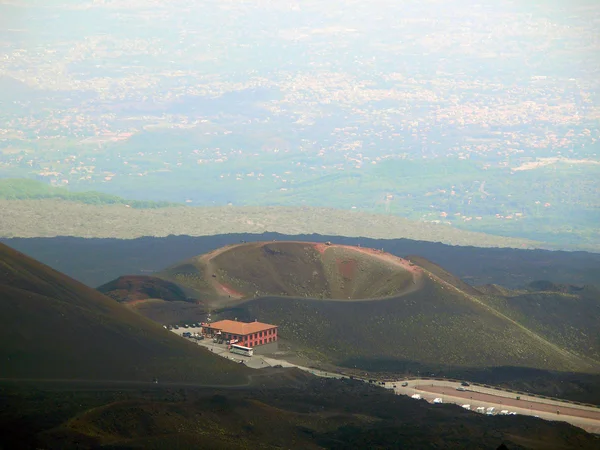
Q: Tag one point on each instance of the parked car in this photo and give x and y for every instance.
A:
(464, 383)
(405, 384)
(176, 327)
(460, 388)
(186, 326)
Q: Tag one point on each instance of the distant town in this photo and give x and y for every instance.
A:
(131, 96)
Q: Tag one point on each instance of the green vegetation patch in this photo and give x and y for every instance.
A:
(23, 189)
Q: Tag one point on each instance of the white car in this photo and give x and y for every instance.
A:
(416, 396)
(437, 400)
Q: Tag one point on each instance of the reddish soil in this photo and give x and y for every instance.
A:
(388, 257)
(527, 404)
(347, 268)
(228, 291)
(133, 303)
(321, 247)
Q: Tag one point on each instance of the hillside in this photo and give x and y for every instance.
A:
(435, 328)
(314, 414)
(568, 316)
(356, 306)
(54, 327)
(24, 189)
(129, 289)
(294, 269)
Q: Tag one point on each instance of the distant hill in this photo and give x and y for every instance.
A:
(352, 305)
(134, 288)
(53, 327)
(159, 300)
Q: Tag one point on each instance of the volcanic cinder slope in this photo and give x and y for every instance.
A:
(350, 304)
(294, 269)
(137, 288)
(53, 327)
(567, 315)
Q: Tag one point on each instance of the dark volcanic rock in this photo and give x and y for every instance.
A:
(136, 287)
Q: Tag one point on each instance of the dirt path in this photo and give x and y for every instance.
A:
(577, 362)
(210, 273)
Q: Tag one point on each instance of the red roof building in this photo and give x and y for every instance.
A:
(248, 334)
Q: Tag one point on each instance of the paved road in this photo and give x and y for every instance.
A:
(512, 402)
(584, 417)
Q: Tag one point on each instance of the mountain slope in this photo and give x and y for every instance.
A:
(434, 327)
(139, 287)
(318, 413)
(568, 316)
(353, 305)
(54, 327)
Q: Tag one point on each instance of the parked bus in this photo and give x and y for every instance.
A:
(241, 350)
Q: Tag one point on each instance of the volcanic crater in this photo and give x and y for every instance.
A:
(297, 269)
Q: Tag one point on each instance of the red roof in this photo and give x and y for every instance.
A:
(240, 328)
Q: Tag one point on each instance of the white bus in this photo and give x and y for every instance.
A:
(241, 350)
